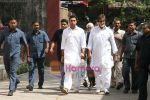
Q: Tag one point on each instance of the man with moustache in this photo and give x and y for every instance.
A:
(13, 38)
(73, 49)
(117, 79)
(38, 42)
(101, 46)
(143, 61)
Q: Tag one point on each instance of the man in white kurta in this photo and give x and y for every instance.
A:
(101, 46)
(73, 45)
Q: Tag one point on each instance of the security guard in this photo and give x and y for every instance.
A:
(38, 45)
(12, 38)
(142, 62)
(128, 49)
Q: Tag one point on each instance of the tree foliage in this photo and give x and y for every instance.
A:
(129, 10)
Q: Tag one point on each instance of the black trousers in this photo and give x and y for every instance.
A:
(128, 64)
(142, 82)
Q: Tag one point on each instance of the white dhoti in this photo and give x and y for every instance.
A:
(103, 79)
(103, 75)
(73, 76)
(102, 45)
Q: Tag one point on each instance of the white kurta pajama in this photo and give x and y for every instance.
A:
(73, 40)
(102, 44)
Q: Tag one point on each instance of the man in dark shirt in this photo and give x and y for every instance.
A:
(143, 60)
(128, 48)
(38, 42)
(57, 39)
(13, 38)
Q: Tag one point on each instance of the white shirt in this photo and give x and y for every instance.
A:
(73, 40)
(119, 34)
(102, 44)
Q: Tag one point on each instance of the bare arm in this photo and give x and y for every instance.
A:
(89, 54)
(27, 50)
(46, 47)
(82, 53)
(52, 47)
(63, 46)
(62, 56)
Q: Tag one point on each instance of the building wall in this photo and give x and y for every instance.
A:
(25, 11)
(47, 12)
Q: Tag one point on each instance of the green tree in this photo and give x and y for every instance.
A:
(128, 10)
(100, 4)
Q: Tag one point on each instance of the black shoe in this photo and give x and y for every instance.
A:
(90, 86)
(120, 85)
(85, 84)
(94, 84)
(134, 91)
(125, 91)
(61, 87)
(40, 87)
(10, 93)
(17, 82)
(29, 87)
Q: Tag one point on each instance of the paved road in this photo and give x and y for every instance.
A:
(51, 91)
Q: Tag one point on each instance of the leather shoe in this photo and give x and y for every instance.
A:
(10, 93)
(29, 87)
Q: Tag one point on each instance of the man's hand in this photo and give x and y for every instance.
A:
(82, 55)
(90, 56)
(82, 61)
(51, 51)
(46, 50)
(115, 58)
(23, 58)
(28, 59)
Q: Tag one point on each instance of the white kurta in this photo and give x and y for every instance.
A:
(73, 40)
(102, 44)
